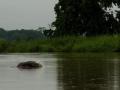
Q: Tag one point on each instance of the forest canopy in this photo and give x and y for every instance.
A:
(89, 17)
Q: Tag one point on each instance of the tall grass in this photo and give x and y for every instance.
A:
(64, 44)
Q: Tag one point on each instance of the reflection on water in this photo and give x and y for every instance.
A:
(12, 78)
(89, 72)
(61, 71)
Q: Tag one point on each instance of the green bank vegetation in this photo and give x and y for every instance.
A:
(64, 44)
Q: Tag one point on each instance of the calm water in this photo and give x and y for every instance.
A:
(61, 71)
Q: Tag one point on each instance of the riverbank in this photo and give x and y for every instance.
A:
(64, 44)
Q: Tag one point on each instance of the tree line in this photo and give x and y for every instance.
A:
(23, 34)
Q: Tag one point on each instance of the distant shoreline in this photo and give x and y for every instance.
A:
(63, 44)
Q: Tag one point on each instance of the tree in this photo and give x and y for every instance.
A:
(75, 17)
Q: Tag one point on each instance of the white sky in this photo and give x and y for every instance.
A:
(18, 14)
(113, 10)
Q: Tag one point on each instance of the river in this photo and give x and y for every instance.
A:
(61, 71)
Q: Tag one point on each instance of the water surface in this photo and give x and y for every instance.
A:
(61, 71)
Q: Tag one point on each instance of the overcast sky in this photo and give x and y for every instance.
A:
(18, 14)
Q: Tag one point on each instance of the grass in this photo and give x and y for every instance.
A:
(64, 44)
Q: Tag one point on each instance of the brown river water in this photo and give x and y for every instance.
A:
(61, 71)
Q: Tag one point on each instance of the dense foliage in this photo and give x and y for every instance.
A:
(90, 17)
(74, 44)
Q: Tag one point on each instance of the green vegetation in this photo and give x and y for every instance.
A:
(64, 44)
(90, 17)
(23, 34)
